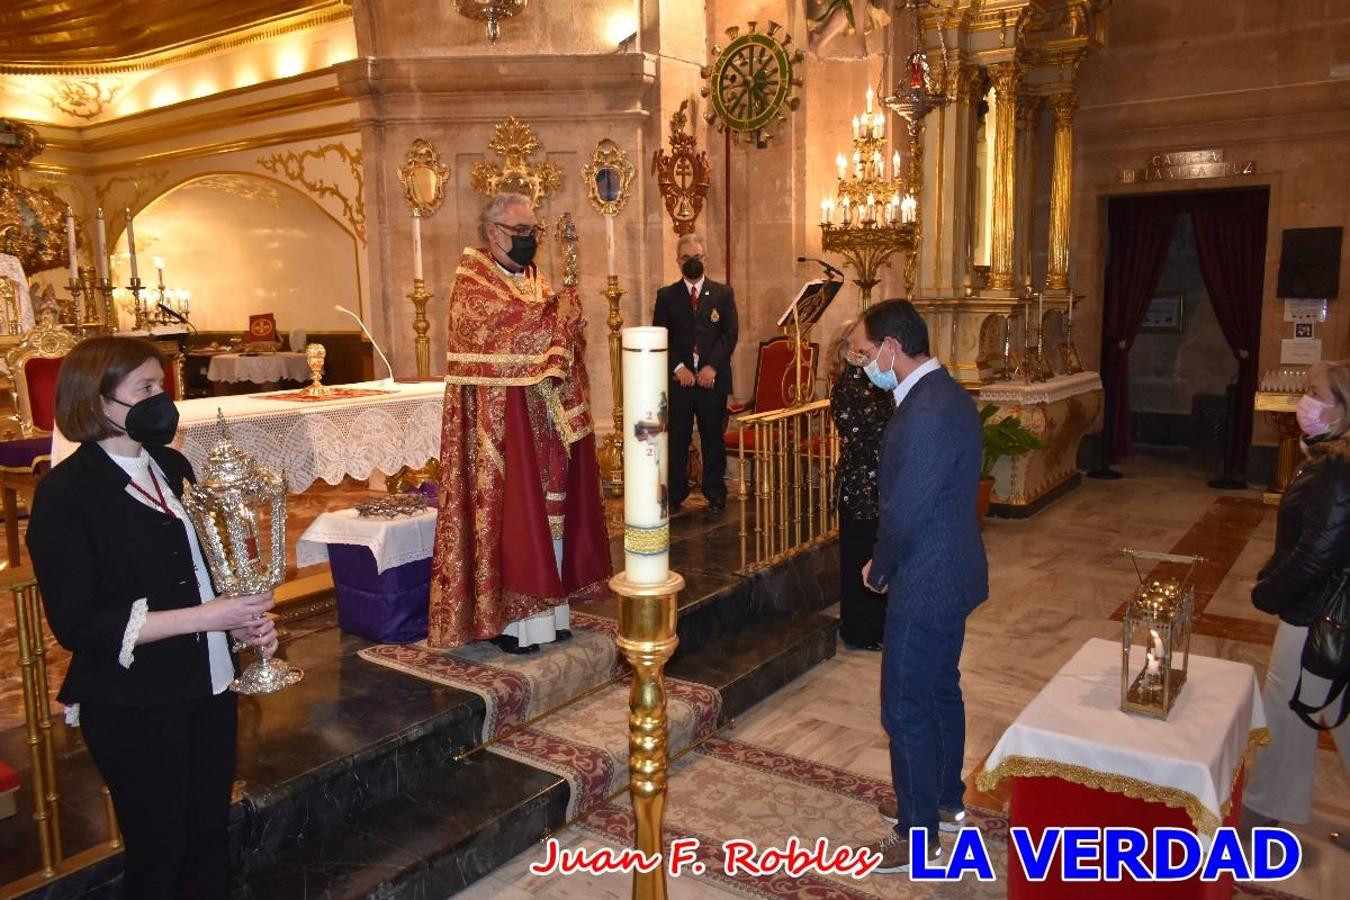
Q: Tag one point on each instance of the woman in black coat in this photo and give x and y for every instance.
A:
(1312, 546)
(126, 590)
(860, 413)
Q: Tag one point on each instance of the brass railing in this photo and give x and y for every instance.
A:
(787, 460)
(37, 710)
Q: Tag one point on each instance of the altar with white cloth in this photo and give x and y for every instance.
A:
(1075, 758)
(325, 440)
(1059, 411)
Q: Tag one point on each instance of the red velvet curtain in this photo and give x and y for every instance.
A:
(1140, 234)
(1230, 238)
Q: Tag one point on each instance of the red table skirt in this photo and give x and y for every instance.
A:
(1040, 802)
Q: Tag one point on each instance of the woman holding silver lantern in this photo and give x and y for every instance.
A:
(1308, 575)
(127, 591)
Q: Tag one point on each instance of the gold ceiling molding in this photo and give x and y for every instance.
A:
(294, 167)
(154, 131)
(218, 148)
(84, 98)
(93, 37)
(253, 188)
(143, 187)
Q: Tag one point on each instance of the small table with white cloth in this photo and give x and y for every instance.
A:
(266, 369)
(381, 571)
(1077, 760)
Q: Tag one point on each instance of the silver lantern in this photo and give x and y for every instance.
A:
(1158, 618)
(238, 509)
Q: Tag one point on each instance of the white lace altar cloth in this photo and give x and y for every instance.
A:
(309, 442)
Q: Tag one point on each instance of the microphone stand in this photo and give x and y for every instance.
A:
(387, 382)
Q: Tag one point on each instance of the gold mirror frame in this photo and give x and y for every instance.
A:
(423, 162)
(608, 157)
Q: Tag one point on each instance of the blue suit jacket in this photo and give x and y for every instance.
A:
(929, 551)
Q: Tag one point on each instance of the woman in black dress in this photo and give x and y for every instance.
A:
(860, 413)
(127, 592)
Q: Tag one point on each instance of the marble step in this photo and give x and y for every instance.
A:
(445, 834)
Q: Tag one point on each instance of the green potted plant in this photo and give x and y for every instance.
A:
(1007, 437)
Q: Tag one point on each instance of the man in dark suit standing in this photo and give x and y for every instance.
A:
(700, 316)
(929, 558)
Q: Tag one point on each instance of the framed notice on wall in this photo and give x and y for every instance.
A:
(1166, 314)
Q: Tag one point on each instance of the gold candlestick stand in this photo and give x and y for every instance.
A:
(647, 639)
(142, 320)
(611, 450)
(421, 325)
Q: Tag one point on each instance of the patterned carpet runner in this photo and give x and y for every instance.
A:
(732, 790)
(582, 740)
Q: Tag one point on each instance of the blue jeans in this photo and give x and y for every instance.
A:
(923, 713)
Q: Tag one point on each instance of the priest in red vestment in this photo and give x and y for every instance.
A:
(520, 532)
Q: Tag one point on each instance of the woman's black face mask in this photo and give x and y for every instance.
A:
(152, 421)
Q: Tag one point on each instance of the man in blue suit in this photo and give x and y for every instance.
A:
(929, 558)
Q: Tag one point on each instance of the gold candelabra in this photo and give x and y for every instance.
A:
(611, 451)
(421, 325)
(877, 215)
(647, 639)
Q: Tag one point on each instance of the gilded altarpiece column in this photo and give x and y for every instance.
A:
(1061, 191)
(1028, 117)
(1007, 79)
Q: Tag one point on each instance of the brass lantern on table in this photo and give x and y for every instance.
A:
(1155, 648)
(238, 509)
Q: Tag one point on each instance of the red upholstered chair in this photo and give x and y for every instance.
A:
(776, 384)
(33, 366)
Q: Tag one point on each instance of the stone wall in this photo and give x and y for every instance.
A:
(1265, 82)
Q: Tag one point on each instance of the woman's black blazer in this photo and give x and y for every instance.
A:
(97, 550)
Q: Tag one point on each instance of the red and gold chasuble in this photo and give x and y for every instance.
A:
(518, 463)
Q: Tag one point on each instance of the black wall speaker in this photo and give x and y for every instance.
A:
(1310, 263)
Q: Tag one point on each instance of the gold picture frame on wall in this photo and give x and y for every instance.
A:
(1166, 314)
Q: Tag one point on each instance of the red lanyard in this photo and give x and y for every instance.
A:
(158, 499)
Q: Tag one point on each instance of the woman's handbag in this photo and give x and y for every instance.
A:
(1326, 652)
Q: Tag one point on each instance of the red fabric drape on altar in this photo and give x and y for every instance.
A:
(1230, 238)
(1044, 802)
(1140, 234)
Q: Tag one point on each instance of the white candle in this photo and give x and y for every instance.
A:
(909, 209)
(70, 243)
(159, 270)
(855, 126)
(857, 164)
(895, 164)
(1153, 664)
(825, 212)
(842, 164)
(100, 247)
(131, 246)
(846, 212)
(611, 267)
(870, 97)
(187, 296)
(1157, 644)
(645, 405)
(417, 244)
(871, 215)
